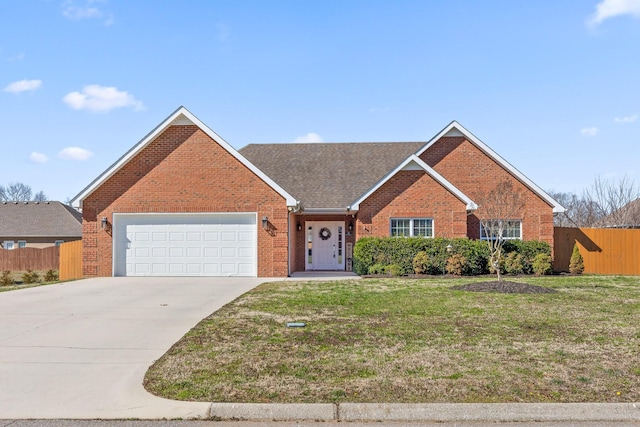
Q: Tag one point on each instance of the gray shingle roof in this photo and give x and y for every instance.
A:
(43, 219)
(328, 175)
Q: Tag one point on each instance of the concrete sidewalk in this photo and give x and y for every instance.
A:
(431, 412)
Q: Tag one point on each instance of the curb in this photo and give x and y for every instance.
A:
(435, 412)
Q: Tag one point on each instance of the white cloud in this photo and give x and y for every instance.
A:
(589, 132)
(23, 86)
(308, 138)
(610, 8)
(38, 157)
(101, 99)
(80, 10)
(75, 153)
(627, 119)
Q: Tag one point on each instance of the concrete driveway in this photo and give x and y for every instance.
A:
(81, 349)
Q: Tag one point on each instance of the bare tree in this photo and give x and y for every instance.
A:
(40, 197)
(615, 202)
(580, 212)
(501, 211)
(19, 192)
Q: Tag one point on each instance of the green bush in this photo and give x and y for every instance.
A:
(377, 269)
(402, 251)
(394, 270)
(576, 263)
(528, 249)
(513, 263)
(541, 264)
(457, 264)
(424, 263)
(30, 277)
(51, 276)
(6, 278)
(433, 257)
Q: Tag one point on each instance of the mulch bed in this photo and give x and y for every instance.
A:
(504, 287)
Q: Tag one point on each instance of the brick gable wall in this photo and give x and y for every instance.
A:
(412, 194)
(184, 171)
(475, 173)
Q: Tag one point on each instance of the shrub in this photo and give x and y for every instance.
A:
(528, 249)
(457, 264)
(394, 270)
(576, 264)
(377, 269)
(513, 263)
(51, 276)
(403, 252)
(424, 263)
(6, 278)
(542, 264)
(30, 277)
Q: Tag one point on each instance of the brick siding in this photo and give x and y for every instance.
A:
(412, 194)
(475, 174)
(184, 171)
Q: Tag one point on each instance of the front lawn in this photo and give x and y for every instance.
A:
(413, 340)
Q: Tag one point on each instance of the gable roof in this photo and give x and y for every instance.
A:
(628, 216)
(328, 175)
(39, 219)
(414, 162)
(456, 129)
(181, 116)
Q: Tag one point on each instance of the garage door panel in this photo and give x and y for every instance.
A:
(185, 244)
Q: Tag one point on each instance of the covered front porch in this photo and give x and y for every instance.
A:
(321, 242)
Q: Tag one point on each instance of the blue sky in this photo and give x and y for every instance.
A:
(552, 86)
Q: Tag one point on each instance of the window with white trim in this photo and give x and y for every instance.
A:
(409, 227)
(58, 242)
(8, 244)
(510, 229)
(22, 243)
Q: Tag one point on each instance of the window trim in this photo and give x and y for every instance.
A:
(483, 235)
(412, 227)
(7, 243)
(22, 244)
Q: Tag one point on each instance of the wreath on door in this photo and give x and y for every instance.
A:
(325, 233)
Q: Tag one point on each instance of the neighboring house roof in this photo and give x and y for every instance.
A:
(456, 129)
(39, 219)
(627, 216)
(181, 116)
(415, 163)
(329, 175)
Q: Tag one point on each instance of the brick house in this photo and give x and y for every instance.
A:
(183, 202)
(38, 224)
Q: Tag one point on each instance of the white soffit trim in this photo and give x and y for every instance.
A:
(456, 129)
(181, 116)
(413, 162)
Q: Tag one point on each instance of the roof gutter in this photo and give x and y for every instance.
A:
(327, 211)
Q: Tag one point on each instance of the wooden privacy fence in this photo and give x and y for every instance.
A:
(605, 250)
(23, 259)
(70, 260)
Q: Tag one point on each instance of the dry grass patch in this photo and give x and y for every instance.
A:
(413, 341)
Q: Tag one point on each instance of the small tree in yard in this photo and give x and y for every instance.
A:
(500, 207)
(576, 263)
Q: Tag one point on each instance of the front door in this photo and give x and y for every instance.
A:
(325, 245)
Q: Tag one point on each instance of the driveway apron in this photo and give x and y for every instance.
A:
(80, 349)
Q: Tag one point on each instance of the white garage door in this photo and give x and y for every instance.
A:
(185, 244)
